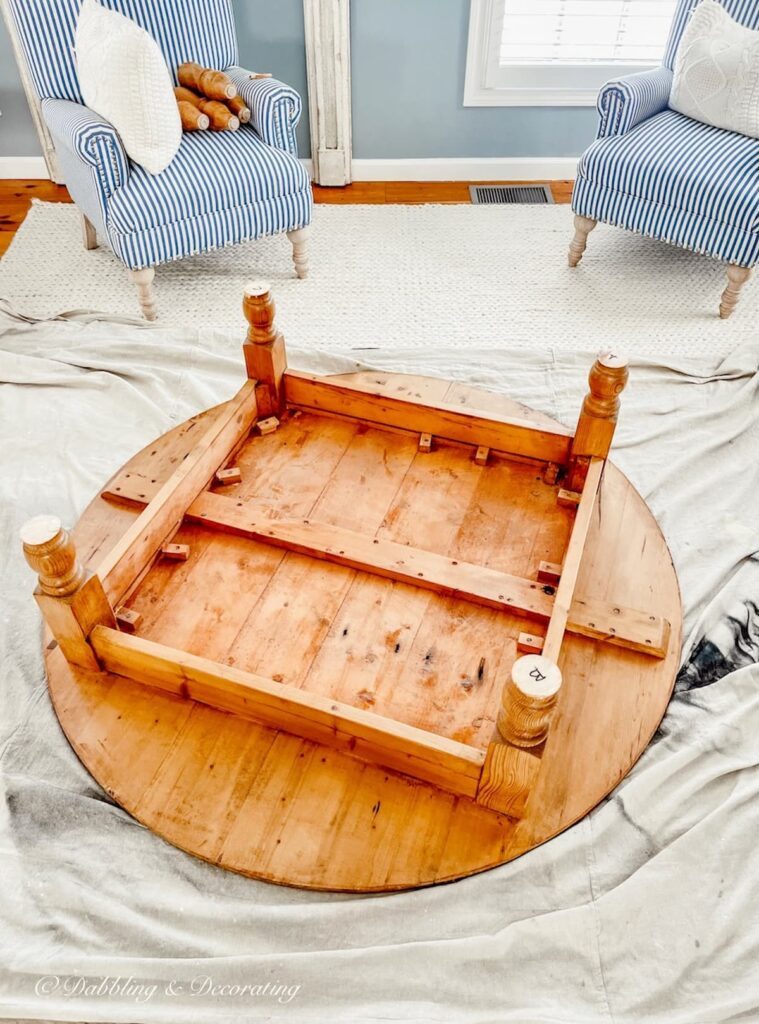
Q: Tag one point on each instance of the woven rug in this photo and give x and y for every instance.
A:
(400, 277)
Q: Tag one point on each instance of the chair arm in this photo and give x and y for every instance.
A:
(275, 108)
(95, 141)
(625, 102)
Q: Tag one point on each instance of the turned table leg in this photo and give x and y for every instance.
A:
(528, 700)
(583, 227)
(144, 281)
(299, 238)
(736, 278)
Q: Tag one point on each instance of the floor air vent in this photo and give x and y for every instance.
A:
(510, 194)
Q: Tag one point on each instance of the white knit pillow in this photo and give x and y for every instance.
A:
(124, 78)
(717, 71)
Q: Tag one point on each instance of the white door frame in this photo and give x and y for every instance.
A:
(46, 142)
(328, 63)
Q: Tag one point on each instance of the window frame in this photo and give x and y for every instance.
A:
(487, 84)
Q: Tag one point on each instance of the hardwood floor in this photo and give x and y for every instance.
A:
(16, 196)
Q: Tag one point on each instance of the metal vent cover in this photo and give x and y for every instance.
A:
(482, 194)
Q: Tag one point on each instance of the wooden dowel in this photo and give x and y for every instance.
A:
(193, 119)
(214, 84)
(240, 109)
(219, 116)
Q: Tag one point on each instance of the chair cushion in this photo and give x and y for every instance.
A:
(212, 172)
(677, 163)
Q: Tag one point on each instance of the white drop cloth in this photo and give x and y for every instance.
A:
(648, 910)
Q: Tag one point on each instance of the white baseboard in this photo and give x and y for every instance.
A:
(23, 167)
(489, 168)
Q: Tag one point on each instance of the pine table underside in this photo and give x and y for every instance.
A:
(277, 807)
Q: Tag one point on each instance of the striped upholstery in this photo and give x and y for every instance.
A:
(275, 108)
(657, 172)
(201, 30)
(677, 180)
(625, 102)
(221, 188)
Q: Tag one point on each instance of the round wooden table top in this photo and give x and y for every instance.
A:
(277, 807)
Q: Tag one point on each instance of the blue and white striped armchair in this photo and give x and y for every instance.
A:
(657, 172)
(221, 187)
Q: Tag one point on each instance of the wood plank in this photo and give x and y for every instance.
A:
(143, 540)
(308, 815)
(424, 755)
(399, 562)
(308, 391)
(572, 561)
(479, 584)
(604, 620)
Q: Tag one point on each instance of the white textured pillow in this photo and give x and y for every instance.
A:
(124, 78)
(717, 71)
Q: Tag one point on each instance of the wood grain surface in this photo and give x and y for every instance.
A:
(290, 810)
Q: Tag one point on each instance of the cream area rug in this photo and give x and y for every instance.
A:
(400, 277)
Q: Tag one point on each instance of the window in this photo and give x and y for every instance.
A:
(559, 52)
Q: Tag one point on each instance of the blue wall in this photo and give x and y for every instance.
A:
(408, 61)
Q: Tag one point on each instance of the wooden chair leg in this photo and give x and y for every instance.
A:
(144, 281)
(89, 235)
(736, 278)
(583, 227)
(299, 238)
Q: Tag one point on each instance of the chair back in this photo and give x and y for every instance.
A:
(199, 30)
(746, 12)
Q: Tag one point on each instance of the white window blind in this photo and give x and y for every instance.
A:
(559, 52)
(582, 31)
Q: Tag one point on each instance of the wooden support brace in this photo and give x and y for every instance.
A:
(425, 443)
(128, 620)
(226, 477)
(71, 603)
(267, 426)
(568, 499)
(551, 473)
(176, 552)
(572, 561)
(599, 620)
(264, 348)
(132, 554)
(482, 455)
(425, 755)
(549, 572)
(452, 422)
(528, 643)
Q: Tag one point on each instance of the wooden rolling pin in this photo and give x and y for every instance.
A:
(193, 119)
(221, 117)
(213, 84)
